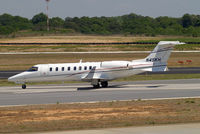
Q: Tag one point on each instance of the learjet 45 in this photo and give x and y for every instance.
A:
(98, 73)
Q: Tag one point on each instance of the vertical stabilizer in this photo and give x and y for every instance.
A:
(160, 55)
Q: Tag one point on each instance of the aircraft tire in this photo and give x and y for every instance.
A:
(24, 86)
(96, 86)
(104, 84)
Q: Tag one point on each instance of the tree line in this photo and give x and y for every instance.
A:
(131, 24)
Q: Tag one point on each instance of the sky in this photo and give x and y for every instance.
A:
(91, 8)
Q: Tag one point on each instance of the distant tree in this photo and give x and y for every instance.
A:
(10, 24)
(42, 26)
(114, 26)
(6, 19)
(41, 17)
(165, 22)
(22, 23)
(56, 22)
(127, 24)
(71, 24)
(6, 30)
(186, 20)
(196, 20)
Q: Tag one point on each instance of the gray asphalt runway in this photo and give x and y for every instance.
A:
(85, 93)
(163, 129)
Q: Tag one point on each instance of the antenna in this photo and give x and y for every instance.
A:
(47, 2)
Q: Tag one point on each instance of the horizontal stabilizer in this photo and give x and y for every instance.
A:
(156, 69)
(159, 69)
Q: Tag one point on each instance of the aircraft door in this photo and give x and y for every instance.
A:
(44, 70)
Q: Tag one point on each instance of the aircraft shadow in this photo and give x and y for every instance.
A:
(116, 86)
(91, 88)
(156, 86)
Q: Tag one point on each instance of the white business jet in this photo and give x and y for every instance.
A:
(98, 73)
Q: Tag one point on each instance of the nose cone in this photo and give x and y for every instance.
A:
(10, 79)
(16, 78)
(13, 78)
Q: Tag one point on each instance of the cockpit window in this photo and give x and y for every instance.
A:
(32, 69)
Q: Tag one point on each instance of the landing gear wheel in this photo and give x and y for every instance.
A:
(24, 86)
(104, 84)
(96, 86)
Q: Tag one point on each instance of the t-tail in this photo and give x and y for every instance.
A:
(160, 55)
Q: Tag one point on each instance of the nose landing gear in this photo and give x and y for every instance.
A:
(24, 86)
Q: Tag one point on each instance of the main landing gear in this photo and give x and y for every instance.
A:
(103, 84)
(96, 86)
(24, 86)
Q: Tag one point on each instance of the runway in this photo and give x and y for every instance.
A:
(69, 93)
(162, 129)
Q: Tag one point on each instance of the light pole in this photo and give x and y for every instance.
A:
(47, 1)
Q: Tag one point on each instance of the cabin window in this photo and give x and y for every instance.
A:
(68, 69)
(80, 68)
(32, 69)
(63, 69)
(74, 68)
(50, 69)
(90, 68)
(85, 68)
(56, 68)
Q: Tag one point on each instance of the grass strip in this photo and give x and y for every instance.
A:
(57, 117)
(25, 61)
(86, 48)
(94, 39)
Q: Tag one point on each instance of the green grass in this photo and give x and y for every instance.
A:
(75, 48)
(120, 47)
(182, 39)
(27, 33)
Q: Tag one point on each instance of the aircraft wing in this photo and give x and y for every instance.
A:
(93, 75)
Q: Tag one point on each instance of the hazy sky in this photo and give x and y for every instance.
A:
(71, 8)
